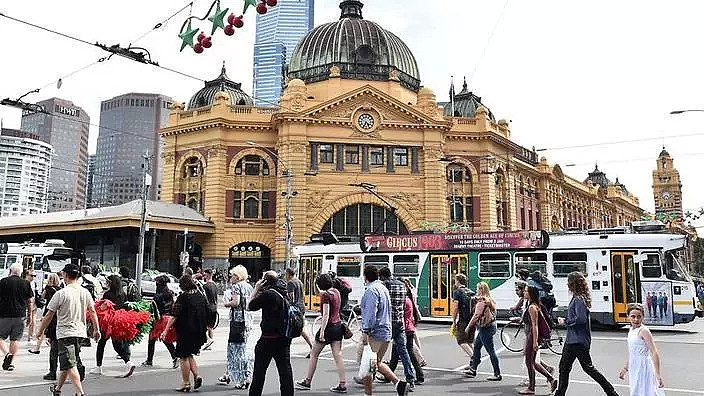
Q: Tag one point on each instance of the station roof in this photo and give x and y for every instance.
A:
(160, 215)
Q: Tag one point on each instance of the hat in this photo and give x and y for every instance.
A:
(71, 268)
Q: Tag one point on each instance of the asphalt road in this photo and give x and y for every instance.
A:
(681, 351)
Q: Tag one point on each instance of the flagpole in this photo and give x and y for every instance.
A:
(452, 95)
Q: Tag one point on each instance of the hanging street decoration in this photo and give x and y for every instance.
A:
(216, 15)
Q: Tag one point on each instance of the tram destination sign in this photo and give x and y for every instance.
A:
(513, 240)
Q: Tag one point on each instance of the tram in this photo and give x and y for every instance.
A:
(621, 266)
(46, 257)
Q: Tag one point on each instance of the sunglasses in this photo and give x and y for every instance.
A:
(33, 275)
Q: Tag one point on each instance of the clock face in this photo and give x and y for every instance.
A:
(365, 121)
(666, 195)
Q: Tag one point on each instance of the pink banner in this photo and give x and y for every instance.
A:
(460, 241)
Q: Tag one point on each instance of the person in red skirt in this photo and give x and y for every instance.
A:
(162, 303)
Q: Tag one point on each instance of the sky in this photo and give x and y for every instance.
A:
(564, 73)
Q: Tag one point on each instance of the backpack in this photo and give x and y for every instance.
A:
(293, 318)
(466, 301)
(131, 291)
(543, 330)
(344, 288)
(39, 301)
(88, 285)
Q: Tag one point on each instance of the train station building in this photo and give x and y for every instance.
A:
(358, 145)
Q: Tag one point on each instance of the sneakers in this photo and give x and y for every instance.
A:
(55, 391)
(339, 389)
(7, 363)
(303, 384)
(49, 377)
(470, 372)
(207, 345)
(402, 388)
(411, 387)
(147, 363)
(129, 369)
(494, 378)
(358, 380)
(33, 352)
(175, 363)
(224, 380)
(97, 370)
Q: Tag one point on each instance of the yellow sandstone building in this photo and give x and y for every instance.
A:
(354, 113)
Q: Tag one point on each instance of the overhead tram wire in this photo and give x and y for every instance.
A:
(488, 41)
(162, 23)
(615, 142)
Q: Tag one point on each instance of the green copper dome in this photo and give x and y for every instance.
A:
(361, 49)
(206, 96)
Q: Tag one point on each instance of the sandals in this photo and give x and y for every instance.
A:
(197, 382)
(242, 386)
(553, 386)
(184, 388)
(526, 391)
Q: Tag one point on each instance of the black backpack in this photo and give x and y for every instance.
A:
(467, 301)
(88, 285)
(292, 318)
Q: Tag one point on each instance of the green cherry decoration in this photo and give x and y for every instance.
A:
(248, 3)
(218, 18)
(187, 36)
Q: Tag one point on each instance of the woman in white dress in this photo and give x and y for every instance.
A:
(643, 364)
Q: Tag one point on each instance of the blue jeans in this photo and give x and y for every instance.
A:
(485, 337)
(398, 337)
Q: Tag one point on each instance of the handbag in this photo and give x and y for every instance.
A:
(238, 328)
(346, 331)
(484, 320)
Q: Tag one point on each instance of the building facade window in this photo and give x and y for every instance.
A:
(326, 154)
(362, 219)
(251, 204)
(400, 157)
(376, 156)
(351, 154)
(252, 165)
(192, 168)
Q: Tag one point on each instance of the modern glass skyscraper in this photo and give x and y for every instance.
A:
(129, 126)
(278, 32)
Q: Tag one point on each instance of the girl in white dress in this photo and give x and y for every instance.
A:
(643, 364)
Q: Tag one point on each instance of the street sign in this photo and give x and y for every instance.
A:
(280, 238)
(184, 259)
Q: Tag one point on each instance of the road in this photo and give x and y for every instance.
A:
(681, 351)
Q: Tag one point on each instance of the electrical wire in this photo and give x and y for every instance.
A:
(615, 142)
(488, 41)
(68, 36)
(162, 23)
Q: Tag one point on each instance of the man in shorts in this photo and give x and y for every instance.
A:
(462, 313)
(16, 303)
(69, 305)
(376, 328)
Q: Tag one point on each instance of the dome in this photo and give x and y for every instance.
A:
(664, 153)
(206, 96)
(361, 49)
(597, 177)
(466, 104)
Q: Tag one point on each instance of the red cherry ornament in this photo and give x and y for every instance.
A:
(261, 8)
(271, 3)
(238, 22)
(207, 42)
(229, 30)
(198, 48)
(201, 37)
(231, 19)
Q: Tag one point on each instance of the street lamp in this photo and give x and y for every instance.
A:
(288, 194)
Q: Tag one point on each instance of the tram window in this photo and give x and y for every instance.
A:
(406, 265)
(377, 261)
(564, 263)
(494, 265)
(651, 266)
(348, 266)
(674, 270)
(532, 262)
(2, 262)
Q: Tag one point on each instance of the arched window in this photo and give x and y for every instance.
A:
(361, 219)
(501, 199)
(252, 165)
(193, 204)
(192, 168)
(461, 193)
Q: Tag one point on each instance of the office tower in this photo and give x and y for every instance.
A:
(278, 32)
(25, 163)
(90, 174)
(65, 127)
(129, 127)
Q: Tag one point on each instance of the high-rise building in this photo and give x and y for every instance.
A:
(129, 127)
(278, 33)
(90, 174)
(65, 127)
(667, 186)
(25, 163)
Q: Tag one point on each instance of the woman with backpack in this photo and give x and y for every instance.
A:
(52, 286)
(579, 336)
(531, 319)
(162, 304)
(485, 320)
(331, 333)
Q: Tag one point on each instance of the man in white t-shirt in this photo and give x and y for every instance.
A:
(69, 305)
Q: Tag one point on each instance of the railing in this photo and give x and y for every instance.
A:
(356, 71)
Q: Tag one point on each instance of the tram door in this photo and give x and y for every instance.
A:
(443, 269)
(626, 283)
(308, 272)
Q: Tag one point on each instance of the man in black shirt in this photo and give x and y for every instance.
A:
(268, 295)
(294, 290)
(16, 298)
(211, 294)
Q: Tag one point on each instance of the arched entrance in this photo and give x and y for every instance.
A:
(364, 218)
(253, 256)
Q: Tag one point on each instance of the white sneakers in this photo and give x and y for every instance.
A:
(130, 369)
(96, 370)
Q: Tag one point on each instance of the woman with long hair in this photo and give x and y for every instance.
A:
(416, 341)
(239, 362)
(530, 319)
(190, 318)
(52, 286)
(162, 303)
(485, 320)
(579, 336)
(643, 364)
(117, 296)
(331, 333)
(409, 319)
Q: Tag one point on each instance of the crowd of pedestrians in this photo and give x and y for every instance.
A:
(389, 315)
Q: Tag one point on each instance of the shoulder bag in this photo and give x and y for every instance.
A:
(238, 328)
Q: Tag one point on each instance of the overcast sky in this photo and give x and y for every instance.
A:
(563, 72)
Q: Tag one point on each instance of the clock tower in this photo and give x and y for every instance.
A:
(667, 187)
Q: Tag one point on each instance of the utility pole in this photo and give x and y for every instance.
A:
(288, 220)
(143, 224)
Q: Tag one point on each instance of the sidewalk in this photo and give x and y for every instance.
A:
(29, 368)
